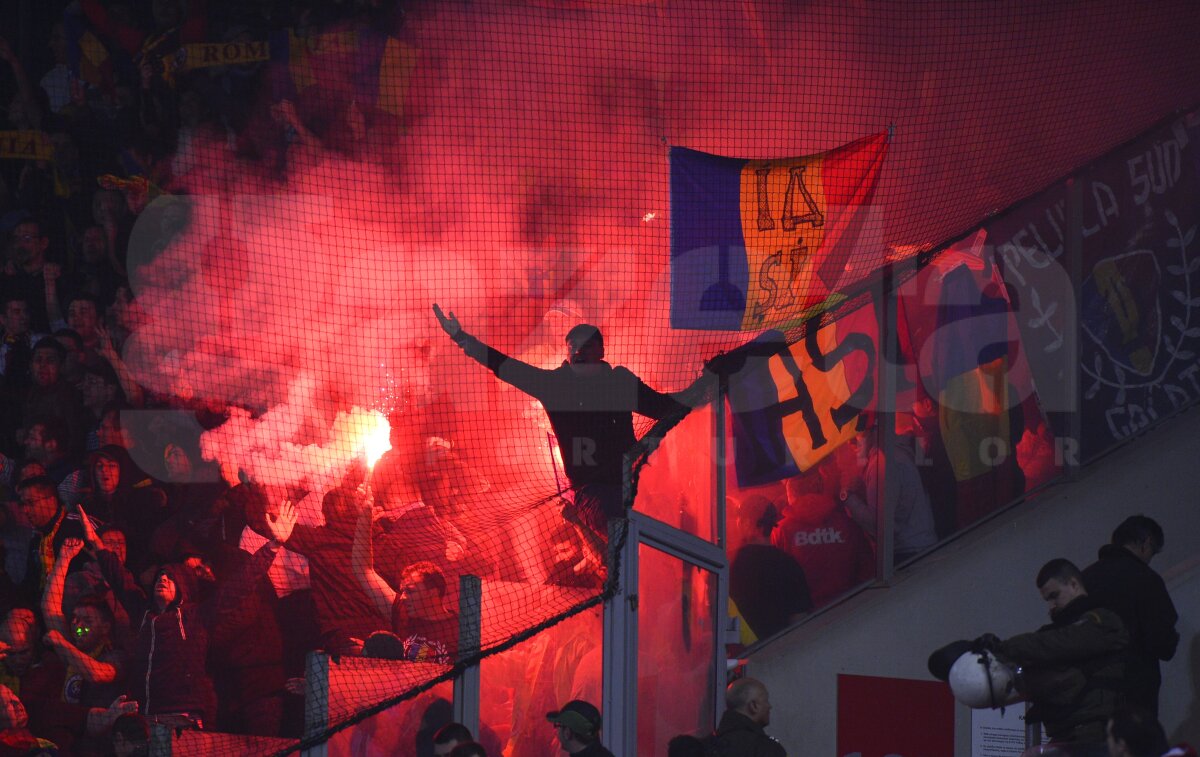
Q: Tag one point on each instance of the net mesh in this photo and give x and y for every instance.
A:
(262, 204)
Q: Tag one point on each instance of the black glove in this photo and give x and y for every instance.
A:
(943, 659)
(726, 363)
(989, 642)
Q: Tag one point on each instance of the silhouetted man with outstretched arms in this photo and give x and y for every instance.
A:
(590, 405)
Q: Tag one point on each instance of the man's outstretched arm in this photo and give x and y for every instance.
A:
(699, 392)
(520, 374)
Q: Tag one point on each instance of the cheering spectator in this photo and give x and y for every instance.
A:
(167, 661)
(345, 613)
(51, 525)
(766, 583)
(36, 678)
(96, 272)
(83, 317)
(590, 406)
(122, 495)
(825, 541)
(247, 655)
(77, 356)
(427, 629)
(95, 669)
(912, 514)
(567, 563)
(15, 736)
(47, 442)
(51, 396)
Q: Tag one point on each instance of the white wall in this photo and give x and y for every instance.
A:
(983, 581)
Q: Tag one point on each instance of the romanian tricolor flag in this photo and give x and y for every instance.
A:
(87, 57)
(378, 66)
(970, 371)
(961, 331)
(759, 244)
(794, 404)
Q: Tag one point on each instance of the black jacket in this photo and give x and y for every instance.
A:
(739, 736)
(1073, 670)
(591, 411)
(1133, 590)
(594, 749)
(167, 662)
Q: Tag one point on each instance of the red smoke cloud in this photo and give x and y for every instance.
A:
(525, 187)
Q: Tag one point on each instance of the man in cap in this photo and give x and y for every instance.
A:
(578, 726)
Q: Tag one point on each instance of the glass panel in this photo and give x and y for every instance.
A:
(1028, 247)
(968, 416)
(519, 686)
(795, 408)
(677, 486)
(794, 545)
(676, 622)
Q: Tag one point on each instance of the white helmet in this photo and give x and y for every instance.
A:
(981, 681)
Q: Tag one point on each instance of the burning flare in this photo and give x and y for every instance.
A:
(376, 437)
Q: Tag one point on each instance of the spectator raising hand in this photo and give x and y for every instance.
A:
(90, 537)
(281, 523)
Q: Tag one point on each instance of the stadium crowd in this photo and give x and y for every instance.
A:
(136, 583)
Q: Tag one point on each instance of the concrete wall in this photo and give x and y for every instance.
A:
(983, 581)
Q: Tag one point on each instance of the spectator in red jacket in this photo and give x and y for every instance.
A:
(825, 540)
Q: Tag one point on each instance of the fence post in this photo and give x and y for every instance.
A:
(316, 700)
(620, 641)
(470, 619)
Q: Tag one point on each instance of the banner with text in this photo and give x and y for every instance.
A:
(758, 244)
(1133, 298)
(794, 404)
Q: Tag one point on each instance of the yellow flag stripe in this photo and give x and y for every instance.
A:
(783, 211)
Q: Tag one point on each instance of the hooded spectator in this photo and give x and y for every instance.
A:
(167, 661)
(123, 496)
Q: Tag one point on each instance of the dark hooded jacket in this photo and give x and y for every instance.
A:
(167, 661)
(136, 507)
(1133, 590)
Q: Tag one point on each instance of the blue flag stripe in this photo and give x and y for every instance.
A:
(706, 213)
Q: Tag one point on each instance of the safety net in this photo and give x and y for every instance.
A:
(329, 328)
